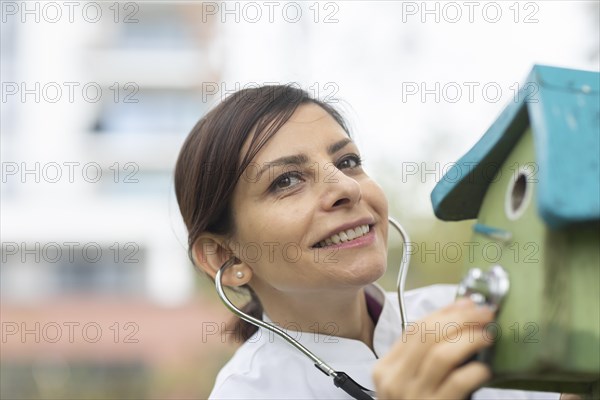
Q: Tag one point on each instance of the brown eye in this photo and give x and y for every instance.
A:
(350, 161)
(285, 181)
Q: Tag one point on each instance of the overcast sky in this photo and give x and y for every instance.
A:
(380, 57)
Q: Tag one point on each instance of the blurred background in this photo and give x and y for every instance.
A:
(98, 298)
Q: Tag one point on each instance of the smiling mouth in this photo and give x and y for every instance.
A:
(346, 235)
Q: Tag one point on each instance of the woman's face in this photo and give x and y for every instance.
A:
(312, 219)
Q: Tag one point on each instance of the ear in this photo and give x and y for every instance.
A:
(210, 252)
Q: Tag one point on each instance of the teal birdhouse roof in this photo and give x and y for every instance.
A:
(562, 106)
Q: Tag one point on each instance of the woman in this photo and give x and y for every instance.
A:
(271, 180)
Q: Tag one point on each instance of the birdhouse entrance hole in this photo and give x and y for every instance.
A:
(518, 194)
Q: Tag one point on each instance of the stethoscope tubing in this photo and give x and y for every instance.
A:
(402, 271)
(271, 327)
(341, 379)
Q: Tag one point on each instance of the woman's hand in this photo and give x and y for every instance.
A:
(428, 362)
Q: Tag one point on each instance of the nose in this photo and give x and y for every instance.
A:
(340, 190)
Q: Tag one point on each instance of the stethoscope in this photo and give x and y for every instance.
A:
(340, 379)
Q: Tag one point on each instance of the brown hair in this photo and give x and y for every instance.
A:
(209, 166)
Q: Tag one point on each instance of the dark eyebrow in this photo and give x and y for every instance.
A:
(338, 146)
(300, 159)
(297, 159)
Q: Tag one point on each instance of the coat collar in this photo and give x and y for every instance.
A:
(341, 351)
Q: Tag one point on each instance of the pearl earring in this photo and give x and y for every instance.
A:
(239, 274)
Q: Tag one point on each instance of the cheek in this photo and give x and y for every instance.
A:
(376, 197)
(265, 235)
(248, 237)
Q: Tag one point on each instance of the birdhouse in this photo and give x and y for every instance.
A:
(532, 185)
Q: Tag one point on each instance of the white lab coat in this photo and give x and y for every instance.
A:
(267, 367)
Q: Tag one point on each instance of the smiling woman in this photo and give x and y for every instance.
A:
(271, 182)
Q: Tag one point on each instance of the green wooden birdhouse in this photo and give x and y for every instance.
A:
(532, 182)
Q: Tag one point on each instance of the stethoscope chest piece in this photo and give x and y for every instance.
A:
(485, 288)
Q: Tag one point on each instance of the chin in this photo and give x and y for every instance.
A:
(377, 272)
(368, 273)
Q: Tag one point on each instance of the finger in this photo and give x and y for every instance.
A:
(464, 380)
(449, 354)
(395, 372)
(570, 396)
(446, 323)
(393, 378)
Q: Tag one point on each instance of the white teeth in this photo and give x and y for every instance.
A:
(350, 233)
(345, 236)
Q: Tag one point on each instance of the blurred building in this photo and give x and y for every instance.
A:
(98, 297)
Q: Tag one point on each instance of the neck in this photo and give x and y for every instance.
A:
(338, 313)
